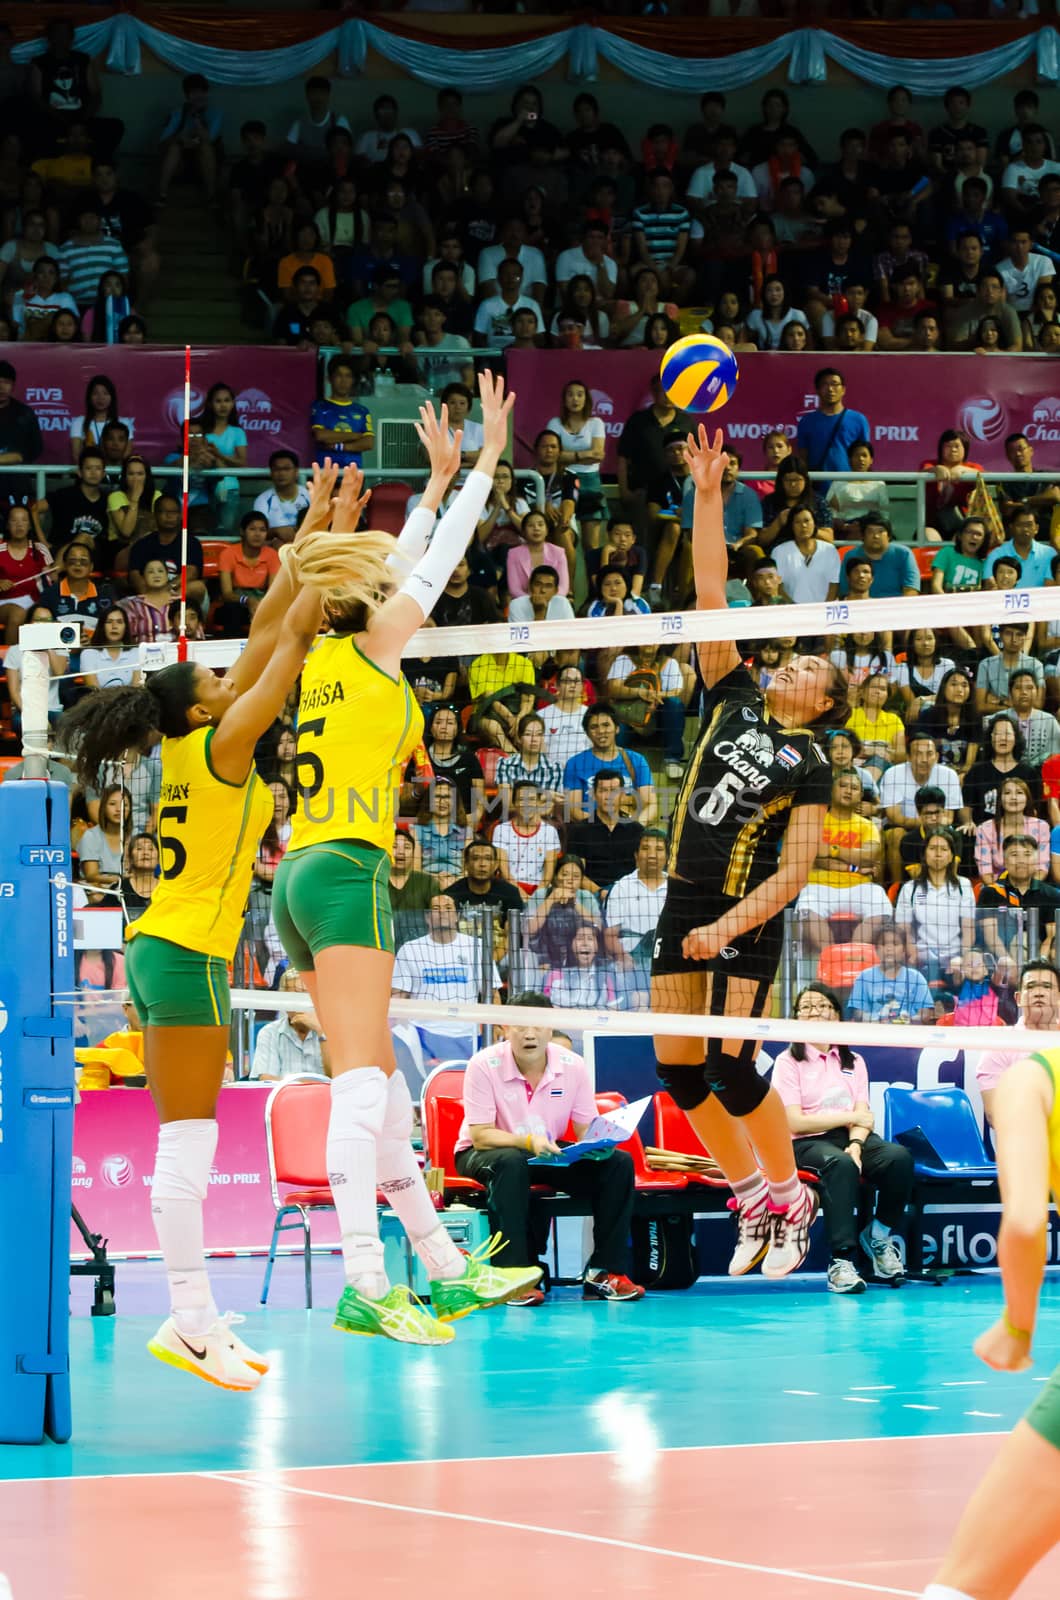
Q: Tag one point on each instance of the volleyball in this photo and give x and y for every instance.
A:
(699, 373)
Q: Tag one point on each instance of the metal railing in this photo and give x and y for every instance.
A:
(42, 472)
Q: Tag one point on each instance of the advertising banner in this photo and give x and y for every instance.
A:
(274, 390)
(908, 400)
(115, 1138)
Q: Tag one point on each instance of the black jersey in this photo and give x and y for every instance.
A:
(744, 777)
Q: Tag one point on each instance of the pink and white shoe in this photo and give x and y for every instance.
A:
(791, 1234)
(754, 1236)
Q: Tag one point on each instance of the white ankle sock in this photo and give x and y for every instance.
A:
(785, 1194)
(358, 1107)
(939, 1591)
(398, 1176)
(182, 1178)
(751, 1193)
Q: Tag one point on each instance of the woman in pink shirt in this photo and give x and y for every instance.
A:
(520, 1096)
(825, 1090)
(535, 552)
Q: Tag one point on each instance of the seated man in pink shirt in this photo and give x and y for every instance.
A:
(825, 1090)
(1039, 1002)
(519, 1096)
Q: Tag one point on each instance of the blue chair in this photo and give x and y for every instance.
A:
(938, 1127)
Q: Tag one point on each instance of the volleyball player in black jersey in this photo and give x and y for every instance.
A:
(744, 834)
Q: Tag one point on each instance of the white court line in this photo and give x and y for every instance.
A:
(984, 1413)
(870, 1388)
(858, 1400)
(919, 1408)
(545, 1455)
(963, 1383)
(260, 1480)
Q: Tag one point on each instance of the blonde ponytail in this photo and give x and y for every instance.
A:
(350, 571)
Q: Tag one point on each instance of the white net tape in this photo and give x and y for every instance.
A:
(979, 608)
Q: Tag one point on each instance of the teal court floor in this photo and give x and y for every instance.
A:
(771, 1442)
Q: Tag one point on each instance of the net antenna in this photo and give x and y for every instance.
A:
(182, 636)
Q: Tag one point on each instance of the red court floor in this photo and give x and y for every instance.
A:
(770, 1522)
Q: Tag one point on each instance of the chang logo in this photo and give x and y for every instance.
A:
(759, 745)
(603, 406)
(173, 407)
(255, 410)
(1044, 426)
(117, 1172)
(983, 418)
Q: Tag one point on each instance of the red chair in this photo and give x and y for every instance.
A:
(442, 1111)
(386, 509)
(647, 1181)
(489, 758)
(924, 556)
(839, 964)
(296, 1131)
(673, 1131)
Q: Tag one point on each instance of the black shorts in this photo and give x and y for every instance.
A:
(591, 505)
(755, 954)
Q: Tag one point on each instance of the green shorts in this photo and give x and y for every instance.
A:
(173, 987)
(333, 893)
(1044, 1414)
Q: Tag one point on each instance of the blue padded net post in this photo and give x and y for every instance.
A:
(36, 1111)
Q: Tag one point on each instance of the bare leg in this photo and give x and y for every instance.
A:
(1011, 1522)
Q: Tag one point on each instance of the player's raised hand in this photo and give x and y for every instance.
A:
(443, 448)
(348, 505)
(706, 459)
(496, 409)
(322, 481)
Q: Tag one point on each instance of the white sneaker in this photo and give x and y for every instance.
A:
(754, 1235)
(211, 1356)
(885, 1251)
(243, 1351)
(844, 1277)
(791, 1235)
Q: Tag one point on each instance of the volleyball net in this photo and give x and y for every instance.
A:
(534, 846)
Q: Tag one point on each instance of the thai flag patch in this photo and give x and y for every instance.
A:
(788, 756)
(555, 1091)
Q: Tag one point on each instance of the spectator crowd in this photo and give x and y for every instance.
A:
(531, 848)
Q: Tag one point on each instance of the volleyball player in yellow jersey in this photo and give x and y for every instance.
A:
(214, 809)
(358, 722)
(1013, 1518)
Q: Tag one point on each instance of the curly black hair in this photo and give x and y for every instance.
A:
(106, 724)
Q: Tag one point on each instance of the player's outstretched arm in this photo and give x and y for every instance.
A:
(710, 559)
(394, 623)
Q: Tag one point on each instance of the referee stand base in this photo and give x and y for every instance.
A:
(98, 1267)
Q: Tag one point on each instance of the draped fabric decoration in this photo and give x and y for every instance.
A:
(478, 54)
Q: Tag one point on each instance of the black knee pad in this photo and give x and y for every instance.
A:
(685, 1082)
(734, 1079)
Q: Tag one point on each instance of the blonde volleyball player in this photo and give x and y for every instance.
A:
(213, 810)
(358, 723)
(745, 831)
(1013, 1519)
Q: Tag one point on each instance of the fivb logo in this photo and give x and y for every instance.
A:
(836, 611)
(36, 855)
(673, 622)
(518, 632)
(1017, 600)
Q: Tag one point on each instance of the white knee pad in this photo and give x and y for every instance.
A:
(359, 1100)
(398, 1121)
(184, 1159)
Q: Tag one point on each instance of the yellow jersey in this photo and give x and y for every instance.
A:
(1050, 1060)
(208, 836)
(357, 727)
(849, 833)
